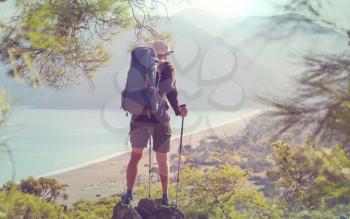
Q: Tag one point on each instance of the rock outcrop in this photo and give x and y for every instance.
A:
(147, 209)
(122, 212)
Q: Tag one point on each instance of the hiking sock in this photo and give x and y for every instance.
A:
(165, 196)
(129, 193)
(165, 202)
(127, 198)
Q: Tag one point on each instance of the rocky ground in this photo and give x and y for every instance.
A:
(147, 209)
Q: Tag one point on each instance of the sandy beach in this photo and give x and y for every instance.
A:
(107, 178)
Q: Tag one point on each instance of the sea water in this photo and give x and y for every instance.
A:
(42, 142)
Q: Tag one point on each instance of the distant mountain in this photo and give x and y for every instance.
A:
(218, 62)
(292, 23)
(277, 43)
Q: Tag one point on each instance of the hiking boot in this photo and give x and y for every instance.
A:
(127, 200)
(165, 203)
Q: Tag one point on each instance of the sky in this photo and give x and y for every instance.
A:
(336, 10)
(230, 8)
(6, 8)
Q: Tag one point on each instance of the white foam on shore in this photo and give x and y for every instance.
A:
(102, 159)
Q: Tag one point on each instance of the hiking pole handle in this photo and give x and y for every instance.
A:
(182, 128)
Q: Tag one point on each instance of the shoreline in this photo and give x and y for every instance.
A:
(106, 178)
(79, 166)
(109, 157)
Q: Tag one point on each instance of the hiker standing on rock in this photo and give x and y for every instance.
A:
(153, 122)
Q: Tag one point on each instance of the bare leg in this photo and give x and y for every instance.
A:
(162, 159)
(131, 173)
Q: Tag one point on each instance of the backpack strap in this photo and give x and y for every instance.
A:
(147, 80)
(162, 101)
(158, 75)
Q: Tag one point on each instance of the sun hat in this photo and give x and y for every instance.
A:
(161, 48)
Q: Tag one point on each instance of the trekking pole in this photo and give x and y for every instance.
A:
(149, 168)
(179, 162)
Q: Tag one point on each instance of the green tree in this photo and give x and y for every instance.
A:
(322, 98)
(55, 43)
(319, 103)
(45, 188)
(296, 170)
(333, 183)
(15, 204)
(221, 192)
(102, 208)
(310, 175)
(61, 42)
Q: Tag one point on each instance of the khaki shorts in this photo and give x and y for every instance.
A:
(140, 134)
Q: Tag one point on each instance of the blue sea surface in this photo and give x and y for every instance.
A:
(41, 142)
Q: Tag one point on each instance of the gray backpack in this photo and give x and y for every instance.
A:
(140, 95)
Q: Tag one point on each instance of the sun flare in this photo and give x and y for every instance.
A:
(225, 8)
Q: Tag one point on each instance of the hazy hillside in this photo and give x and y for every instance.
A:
(277, 43)
(214, 73)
